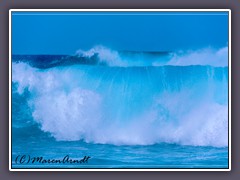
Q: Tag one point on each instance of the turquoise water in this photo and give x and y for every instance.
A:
(161, 155)
(137, 111)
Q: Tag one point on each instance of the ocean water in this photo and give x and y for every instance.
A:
(122, 109)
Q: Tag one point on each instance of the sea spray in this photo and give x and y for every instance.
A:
(128, 105)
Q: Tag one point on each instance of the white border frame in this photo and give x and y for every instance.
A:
(119, 10)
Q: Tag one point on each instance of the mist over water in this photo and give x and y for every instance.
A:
(129, 98)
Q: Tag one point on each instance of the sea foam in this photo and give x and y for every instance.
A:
(186, 105)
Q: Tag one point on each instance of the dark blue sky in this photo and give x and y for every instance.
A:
(64, 33)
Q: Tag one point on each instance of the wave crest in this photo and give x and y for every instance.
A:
(207, 56)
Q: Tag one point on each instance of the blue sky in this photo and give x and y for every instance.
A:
(65, 33)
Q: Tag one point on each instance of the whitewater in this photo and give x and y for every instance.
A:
(110, 98)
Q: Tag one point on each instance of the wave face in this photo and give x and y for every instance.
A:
(131, 103)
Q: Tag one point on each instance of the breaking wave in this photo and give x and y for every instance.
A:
(128, 102)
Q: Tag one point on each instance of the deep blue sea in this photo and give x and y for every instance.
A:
(122, 109)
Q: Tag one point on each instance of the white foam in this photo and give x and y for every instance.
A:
(70, 111)
(68, 116)
(206, 56)
(105, 55)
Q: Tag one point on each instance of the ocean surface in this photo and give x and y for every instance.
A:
(123, 109)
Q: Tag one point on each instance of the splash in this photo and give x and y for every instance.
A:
(186, 105)
(207, 56)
